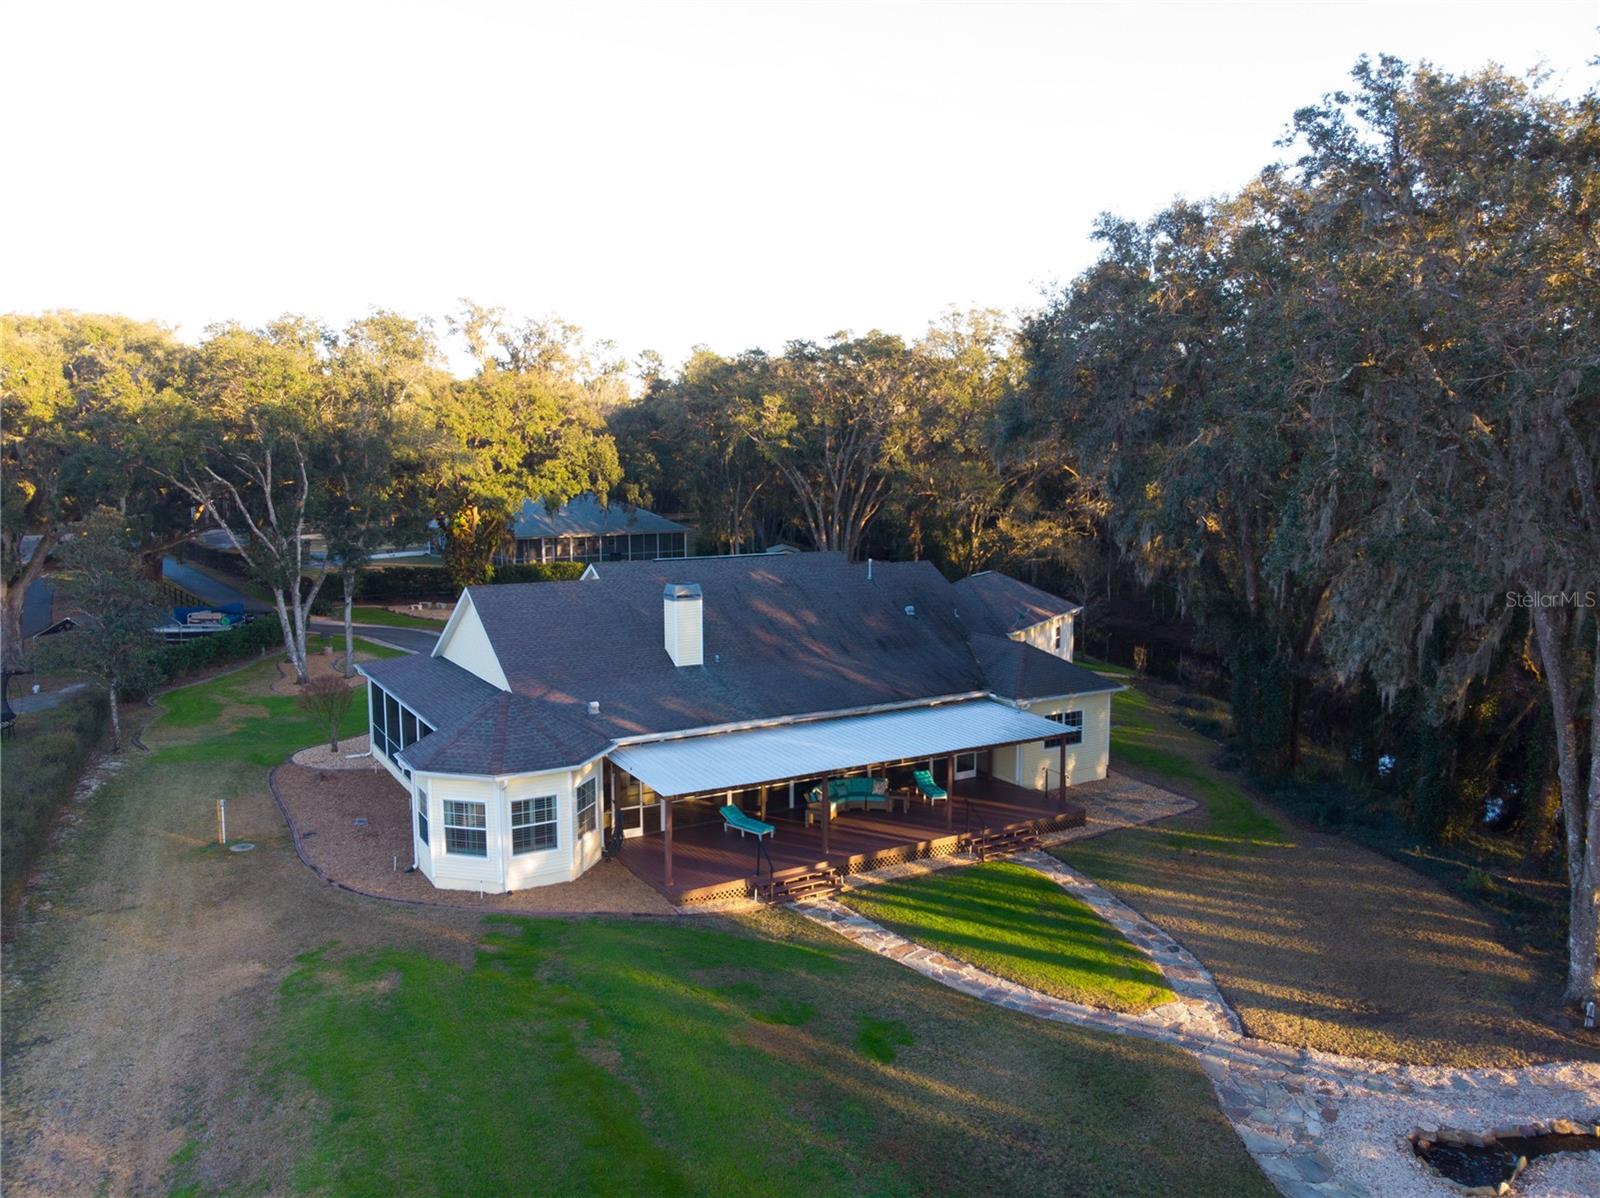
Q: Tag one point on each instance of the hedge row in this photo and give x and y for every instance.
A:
(415, 584)
(260, 635)
(38, 772)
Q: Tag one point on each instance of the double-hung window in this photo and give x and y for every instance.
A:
(533, 824)
(422, 816)
(1073, 722)
(586, 806)
(465, 829)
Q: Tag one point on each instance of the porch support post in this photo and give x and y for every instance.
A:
(666, 838)
(763, 802)
(1063, 747)
(826, 814)
(950, 797)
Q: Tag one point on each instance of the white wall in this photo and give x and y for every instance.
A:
(1042, 636)
(465, 642)
(502, 869)
(1028, 765)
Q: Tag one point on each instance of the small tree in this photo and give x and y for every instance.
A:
(116, 612)
(327, 700)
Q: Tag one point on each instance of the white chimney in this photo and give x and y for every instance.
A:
(681, 621)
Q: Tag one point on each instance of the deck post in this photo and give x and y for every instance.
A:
(950, 797)
(763, 802)
(666, 838)
(1063, 772)
(826, 814)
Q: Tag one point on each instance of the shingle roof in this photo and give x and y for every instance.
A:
(584, 517)
(440, 691)
(1012, 602)
(784, 635)
(1019, 671)
(507, 734)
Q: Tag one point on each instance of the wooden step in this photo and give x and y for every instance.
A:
(1004, 842)
(786, 888)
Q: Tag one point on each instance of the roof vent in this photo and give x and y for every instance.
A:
(594, 707)
(911, 609)
(681, 623)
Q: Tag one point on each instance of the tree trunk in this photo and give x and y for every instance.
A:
(14, 593)
(116, 718)
(349, 624)
(293, 647)
(1578, 816)
(333, 737)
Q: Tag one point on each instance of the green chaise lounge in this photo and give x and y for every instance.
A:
(732, 817)
(929, 789)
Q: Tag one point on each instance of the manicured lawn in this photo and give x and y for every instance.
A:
(394, 619)
(235, 717)
(1315, 940)
(1018, 924)
(710, 1057)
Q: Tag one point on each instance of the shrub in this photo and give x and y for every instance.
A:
(38, 771)
(540, 572)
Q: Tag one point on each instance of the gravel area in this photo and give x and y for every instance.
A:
(323, 805)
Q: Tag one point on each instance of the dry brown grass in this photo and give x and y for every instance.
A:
(1321, 943)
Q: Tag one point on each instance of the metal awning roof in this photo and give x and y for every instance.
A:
(732, 760)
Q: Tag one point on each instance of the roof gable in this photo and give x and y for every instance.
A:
(465, 642)
(1012, 603)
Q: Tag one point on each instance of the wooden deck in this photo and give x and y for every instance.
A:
(710, 863)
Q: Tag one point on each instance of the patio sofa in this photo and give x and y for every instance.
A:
(849, 794)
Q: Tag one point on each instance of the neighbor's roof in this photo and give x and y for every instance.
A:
(695, 764)
(585, 517)
(786, 636)
(1014, 603)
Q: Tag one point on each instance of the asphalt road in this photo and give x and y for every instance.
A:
(412, 640)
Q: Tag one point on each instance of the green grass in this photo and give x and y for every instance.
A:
(1018, 924)
(233, 717)
(394, 619)
(711, 1057)
(1153, 743)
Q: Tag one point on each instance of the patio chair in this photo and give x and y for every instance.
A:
(930, 789)
(732, 817)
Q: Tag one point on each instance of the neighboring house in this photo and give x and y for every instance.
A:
(585, 531)
(1026, 613)
(649, 694)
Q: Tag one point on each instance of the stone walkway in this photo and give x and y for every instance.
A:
(1319, 1125)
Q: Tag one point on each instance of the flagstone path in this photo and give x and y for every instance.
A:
(1319, 1125)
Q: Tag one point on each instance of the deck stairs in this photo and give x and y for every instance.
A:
(1002, 842)
(795, 884)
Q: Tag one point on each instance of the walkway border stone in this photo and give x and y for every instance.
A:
(1285, 1104)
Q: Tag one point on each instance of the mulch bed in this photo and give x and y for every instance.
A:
(323, 805)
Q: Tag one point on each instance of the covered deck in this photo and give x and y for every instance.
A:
(709, 861)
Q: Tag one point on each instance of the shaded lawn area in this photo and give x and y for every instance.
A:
(1315, 940)
(1018, 924)
(758, 1056)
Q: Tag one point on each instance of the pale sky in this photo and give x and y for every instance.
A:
(664, 175)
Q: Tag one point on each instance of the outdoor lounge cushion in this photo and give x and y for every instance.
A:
(735, 818)
(856, 788)
(930, 789)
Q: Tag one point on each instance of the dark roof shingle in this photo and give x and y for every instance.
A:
(1013, 603)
